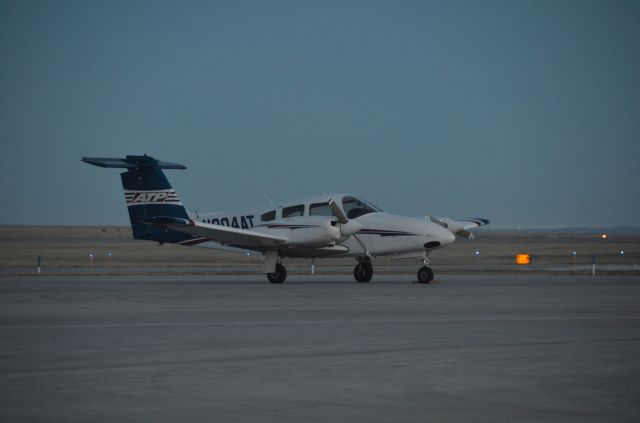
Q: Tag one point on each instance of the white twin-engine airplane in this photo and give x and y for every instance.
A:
(334, 225)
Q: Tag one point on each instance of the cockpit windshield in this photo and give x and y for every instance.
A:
(354, 207)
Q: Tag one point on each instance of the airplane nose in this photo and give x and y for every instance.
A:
(447, 237)
(442, 236)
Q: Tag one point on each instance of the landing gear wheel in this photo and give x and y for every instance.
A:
(279, 275)
(363, 272)
(425, 275)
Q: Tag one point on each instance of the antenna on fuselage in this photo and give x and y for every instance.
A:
(265, 195)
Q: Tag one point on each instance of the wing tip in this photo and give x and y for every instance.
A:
(480, 221)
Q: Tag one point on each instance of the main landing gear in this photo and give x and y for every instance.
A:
(279, 275)
(363, 272)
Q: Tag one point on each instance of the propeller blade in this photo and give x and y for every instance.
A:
(352, 227)
(348, 226)
(337, 211)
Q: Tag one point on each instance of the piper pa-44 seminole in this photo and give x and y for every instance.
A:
(330, 225)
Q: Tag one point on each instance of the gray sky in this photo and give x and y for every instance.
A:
(523, 112)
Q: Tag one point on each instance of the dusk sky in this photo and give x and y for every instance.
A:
(523, 112)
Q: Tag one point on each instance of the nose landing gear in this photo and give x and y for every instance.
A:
(425, 275)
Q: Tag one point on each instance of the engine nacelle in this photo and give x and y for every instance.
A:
(312, 231)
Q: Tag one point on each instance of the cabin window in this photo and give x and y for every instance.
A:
(293, 211)
(320, 209)
(355, 208)
(268, 216)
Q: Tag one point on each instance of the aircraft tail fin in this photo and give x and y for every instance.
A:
(148, 195)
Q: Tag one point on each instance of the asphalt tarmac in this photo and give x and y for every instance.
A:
(320, 349)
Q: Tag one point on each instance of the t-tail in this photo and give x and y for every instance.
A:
(149, 196)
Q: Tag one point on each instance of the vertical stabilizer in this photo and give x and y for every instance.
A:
(148, 194)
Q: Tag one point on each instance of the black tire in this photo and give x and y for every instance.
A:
(363, 273)
(279, 275)
(425, 275)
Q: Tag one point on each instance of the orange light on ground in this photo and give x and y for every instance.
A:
(523, 259)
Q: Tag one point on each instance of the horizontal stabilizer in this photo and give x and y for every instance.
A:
(131, 162)
(165, 221)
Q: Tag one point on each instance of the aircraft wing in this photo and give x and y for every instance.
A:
(459, 227)
(472, 223)
(243, 238)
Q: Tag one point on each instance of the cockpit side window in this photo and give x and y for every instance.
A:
(355, 208)
(268, 216)
(320, 209)
(292, 211)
